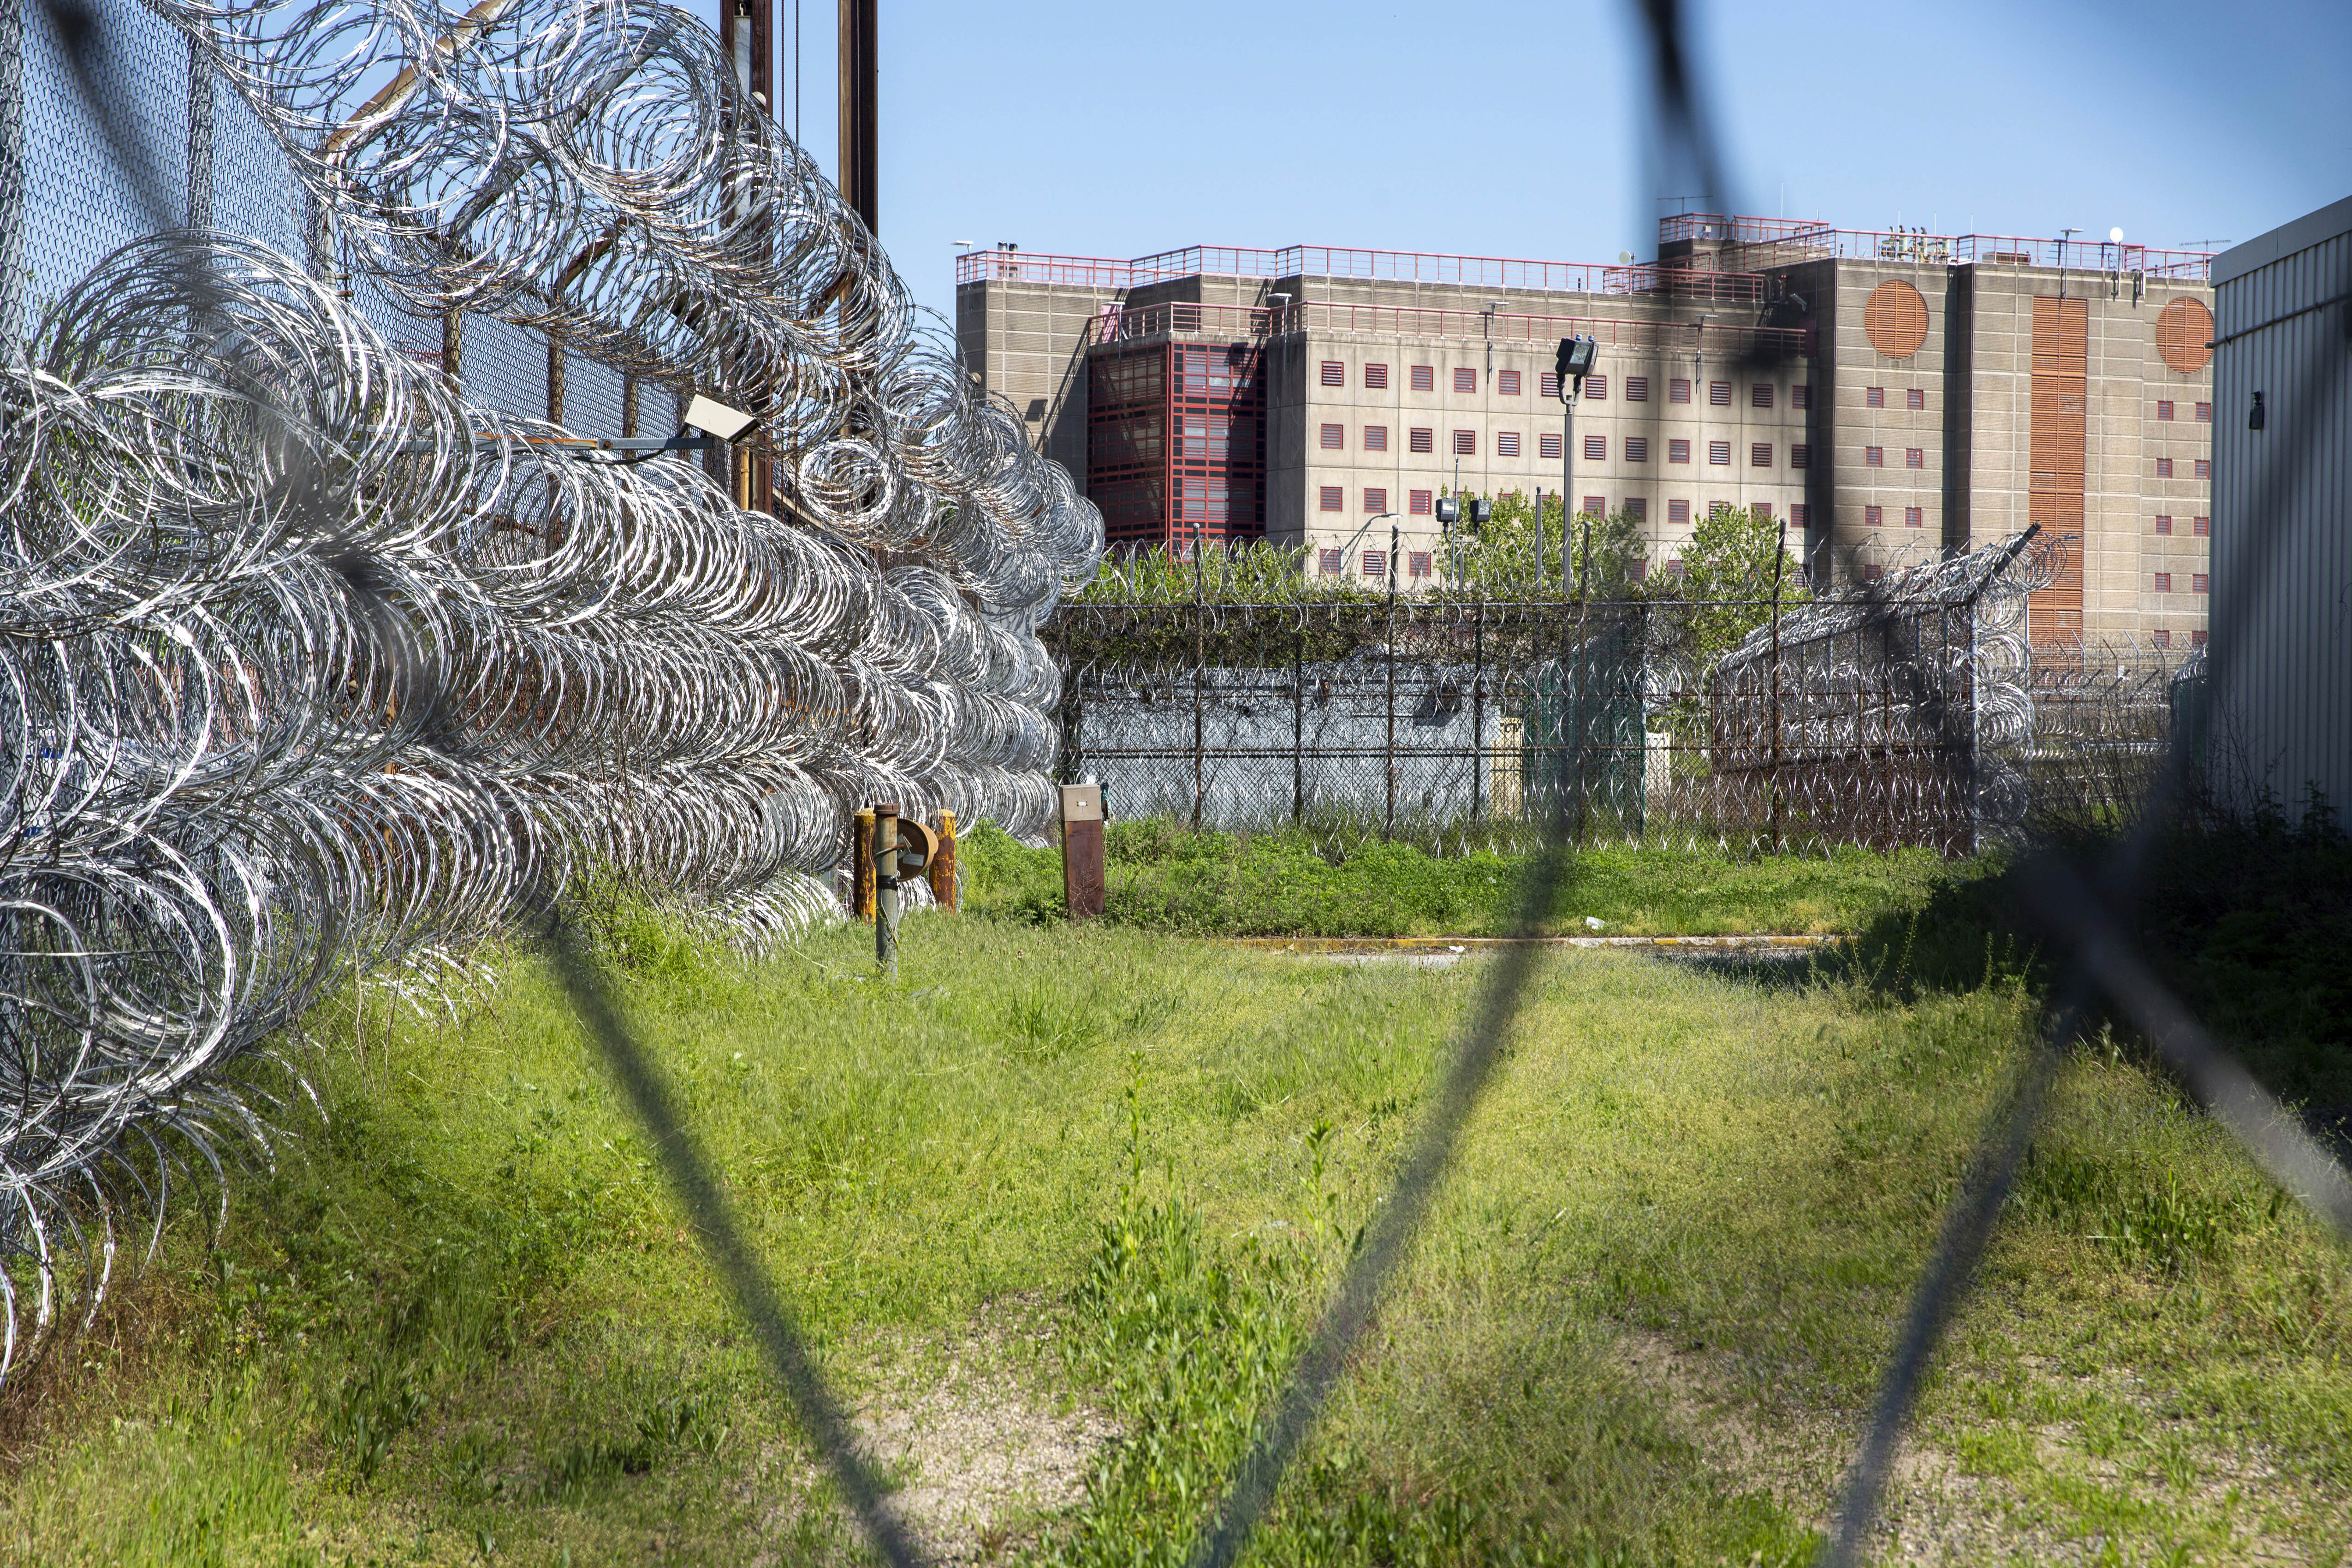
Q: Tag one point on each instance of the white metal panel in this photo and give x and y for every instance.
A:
(2282, 612)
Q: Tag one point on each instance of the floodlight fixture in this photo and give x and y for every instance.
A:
(1575, 361)
(1449, 511)
(715, 418)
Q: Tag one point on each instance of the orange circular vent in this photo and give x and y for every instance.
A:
(2184, 335)
(1895, 317)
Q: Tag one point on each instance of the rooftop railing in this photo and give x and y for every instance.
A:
(1756, 244)
(1237, 323)
(1381, 265)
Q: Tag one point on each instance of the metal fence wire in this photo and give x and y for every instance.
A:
(1910, 713)
(1908, 710)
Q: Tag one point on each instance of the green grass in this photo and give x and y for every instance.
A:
(461, 1320)
(1172, 879)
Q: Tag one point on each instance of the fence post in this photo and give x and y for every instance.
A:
(1298, 724)
(1777, 558)
(13, 182)
(1200, 680)
(885, 887)
(861, 866)
(941, 871)
(1388, 829)
(1478, 703)
(1082, 850)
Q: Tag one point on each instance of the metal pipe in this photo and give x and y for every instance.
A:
(885, 887)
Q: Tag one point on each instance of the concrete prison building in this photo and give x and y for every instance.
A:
(1890, 394)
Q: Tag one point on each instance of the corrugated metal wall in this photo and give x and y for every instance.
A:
(2281, 607)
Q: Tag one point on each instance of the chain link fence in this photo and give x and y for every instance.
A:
(1911, 711)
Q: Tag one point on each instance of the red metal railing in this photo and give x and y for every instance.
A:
(1734, 273)
(1328, 261)
(1754, 244)
(1235, 323)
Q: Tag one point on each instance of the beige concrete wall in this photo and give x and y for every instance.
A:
(1027, 343)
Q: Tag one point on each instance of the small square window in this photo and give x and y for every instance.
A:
(1417, 563)
(1335, 498)
(1596, 448)
(1376, 564)
(1418, 502)
(2202, 527)
(1678, 390)
(1596, 389)
(1915, 457)
(1678, 511)
(1799, 454)
(1800, 395)
(1548, 383)
(1675, 567)
(2163, 524)
(2164, 410)
(1424, 378)
(1376, 437)
(1914, 397)
(2164, 582)
(1677, 450)
(1376, 377)
(1760, 455)
(1872, 517)
(1465, 443)
(2196, 639)
(2197, 582)
(1873, 397)
(2204, 416)
(1719, 393)
(1874, 457)
(1637, 449)
(2164, 467)
(1637, 389)
(1547, 446)
(1800, 514)
(1466, 381)
(1760, 395)
(2162, 638)
(1760, 509)
(1639, 569)
(1506, 383)
(1335, 373)
(1422, 440)
(1872, 573)
(1913, 517)
(1718, 453)
(1506, 443)
(1331, 563)
(1335, 437)
(1637, 507)
(2204, 467)
(1595, 506)
(1375, 499)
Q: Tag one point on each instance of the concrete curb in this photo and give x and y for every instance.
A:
(1311, 945)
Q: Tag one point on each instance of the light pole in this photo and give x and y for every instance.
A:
(1571, 366)
(1376, 517)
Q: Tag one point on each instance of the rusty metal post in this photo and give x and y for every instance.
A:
(886, 888)
(861, 866)
(859, 160)
(1082, 850)
(941, 871)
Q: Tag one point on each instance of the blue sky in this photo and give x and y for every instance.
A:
(1514, 129)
